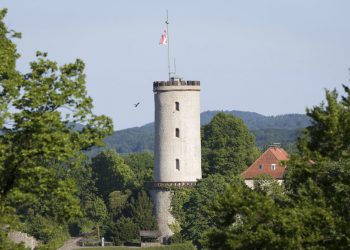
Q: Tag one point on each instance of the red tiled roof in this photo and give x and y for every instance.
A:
(263, 165)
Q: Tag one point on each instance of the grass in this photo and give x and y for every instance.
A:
(170, 247)
(107, 248)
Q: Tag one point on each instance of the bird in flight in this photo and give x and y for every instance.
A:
(137, 104)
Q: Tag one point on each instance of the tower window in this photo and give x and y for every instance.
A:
(177, 164)
(273, 166)
(260, 167)
(177, 132)
(177, 106)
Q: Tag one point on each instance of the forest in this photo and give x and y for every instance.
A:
(51, 189)
(284, 129)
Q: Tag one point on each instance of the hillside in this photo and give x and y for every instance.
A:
(267, 129)
(255, 121)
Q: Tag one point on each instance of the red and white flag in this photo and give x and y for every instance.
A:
(164, 38)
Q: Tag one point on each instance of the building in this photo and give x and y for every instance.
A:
(270, 162)
(177, 148)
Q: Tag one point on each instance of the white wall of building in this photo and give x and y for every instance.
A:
(250, 183)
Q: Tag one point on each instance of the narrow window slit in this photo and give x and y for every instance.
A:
(178, 164)
(177, 132)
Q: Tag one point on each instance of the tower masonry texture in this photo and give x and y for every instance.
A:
(177, 148)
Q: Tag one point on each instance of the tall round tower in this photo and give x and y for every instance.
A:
(177, 148)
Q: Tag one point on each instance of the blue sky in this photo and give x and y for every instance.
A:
(271, 57)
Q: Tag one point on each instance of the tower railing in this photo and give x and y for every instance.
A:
(156, 185)
(175, 83)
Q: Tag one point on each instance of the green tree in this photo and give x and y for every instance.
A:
(142, 166)
(90, 202)
(125, 231)
(96, 211)
(255, 219)
(312, 211)
(346, 118)
(330, 182)
(86, 189)
(328, 134)
(9, 76)
(198, 215)
(117, 202)
(227, 146)
(239, 212)
(111, 173)
(42, 146)
(141, 211)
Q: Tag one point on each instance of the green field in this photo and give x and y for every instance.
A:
(108, 248)
(170, 247)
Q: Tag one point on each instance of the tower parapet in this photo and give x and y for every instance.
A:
(163, 184)
(174, 82)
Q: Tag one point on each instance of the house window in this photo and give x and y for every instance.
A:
(260, 167)
(177, 132)
(273, 166)
(177, 164)
(177, 106)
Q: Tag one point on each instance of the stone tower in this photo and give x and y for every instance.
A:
(177, 148)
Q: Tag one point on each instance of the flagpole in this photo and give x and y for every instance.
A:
(167, 30)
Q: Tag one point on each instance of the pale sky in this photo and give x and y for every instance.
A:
(271, 57)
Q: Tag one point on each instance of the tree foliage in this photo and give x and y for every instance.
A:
(142, 166)
(308, 214)
(122, 188)
(9, 76)
(40, 146)
(142, 212)
(311, 211)
(125, 231)
(111, 173)
(227, 145)
(328, 135)
(47, 231)
(117, 201)
(47, 184)
(96, 210)
(193, 208)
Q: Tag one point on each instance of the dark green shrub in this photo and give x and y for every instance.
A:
(125, 231)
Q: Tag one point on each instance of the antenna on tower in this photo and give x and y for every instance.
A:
(167, 30)
(174, 66)
(165, 40)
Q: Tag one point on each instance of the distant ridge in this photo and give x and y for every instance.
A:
(255, 121)
(267, 129)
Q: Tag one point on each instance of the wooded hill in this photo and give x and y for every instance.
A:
(283, 129)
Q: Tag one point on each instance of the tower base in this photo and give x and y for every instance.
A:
(162, 206)
(161, 196)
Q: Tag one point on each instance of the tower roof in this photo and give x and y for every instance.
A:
(269, 163)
